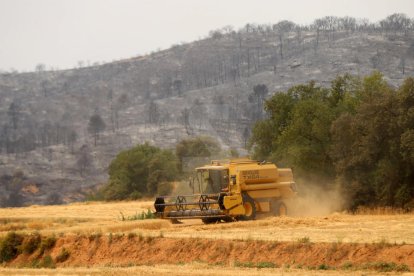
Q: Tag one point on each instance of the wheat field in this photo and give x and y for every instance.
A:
(114, 219)
(105, 218)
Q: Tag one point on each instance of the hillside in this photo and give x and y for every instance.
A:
(48, 153)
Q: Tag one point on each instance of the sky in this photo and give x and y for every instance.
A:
(60, 33)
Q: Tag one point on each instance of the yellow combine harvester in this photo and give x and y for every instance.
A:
(233, 190)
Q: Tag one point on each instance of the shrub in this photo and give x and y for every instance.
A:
(304, 240)
(347, 265)
(142, 216)
(34, 264)
(266, 265)
(383, 243)
(31, 243)
(323, 267)
(63, 255)
(131, 235)
(95, 237)
(47, 262)
(47, 243)
(402, 268)
(247, 264)
(387, 267)
(255, 265)
(10, 246)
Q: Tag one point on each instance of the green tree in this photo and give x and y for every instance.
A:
(297, 131)
(279, 108)
(358, 133)
(372, 147)
(140, 171)
(305, 143)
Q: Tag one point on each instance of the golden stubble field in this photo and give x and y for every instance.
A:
(105, 218)
(102, 219)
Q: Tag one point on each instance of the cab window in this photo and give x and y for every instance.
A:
(213, 181)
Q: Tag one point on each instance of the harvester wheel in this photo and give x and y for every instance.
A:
(210, 220)
(249, 207)
(279, 208)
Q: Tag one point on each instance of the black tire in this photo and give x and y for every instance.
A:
(250, 208)
(210, 220)
(279, 208)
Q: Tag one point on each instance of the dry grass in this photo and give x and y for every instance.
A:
(155, 224)
(179, 269)
(333, 228)
(385, 228)
(74, 218)
(98, 217)
(96, 210)
(380, 230)
(381, 211)
(35, 224)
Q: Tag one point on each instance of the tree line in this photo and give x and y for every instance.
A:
(21, 133)
(357, 133)
(227, 55)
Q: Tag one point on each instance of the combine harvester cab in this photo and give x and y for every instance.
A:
(231, 190)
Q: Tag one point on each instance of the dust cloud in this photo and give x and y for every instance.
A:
(314, 200)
